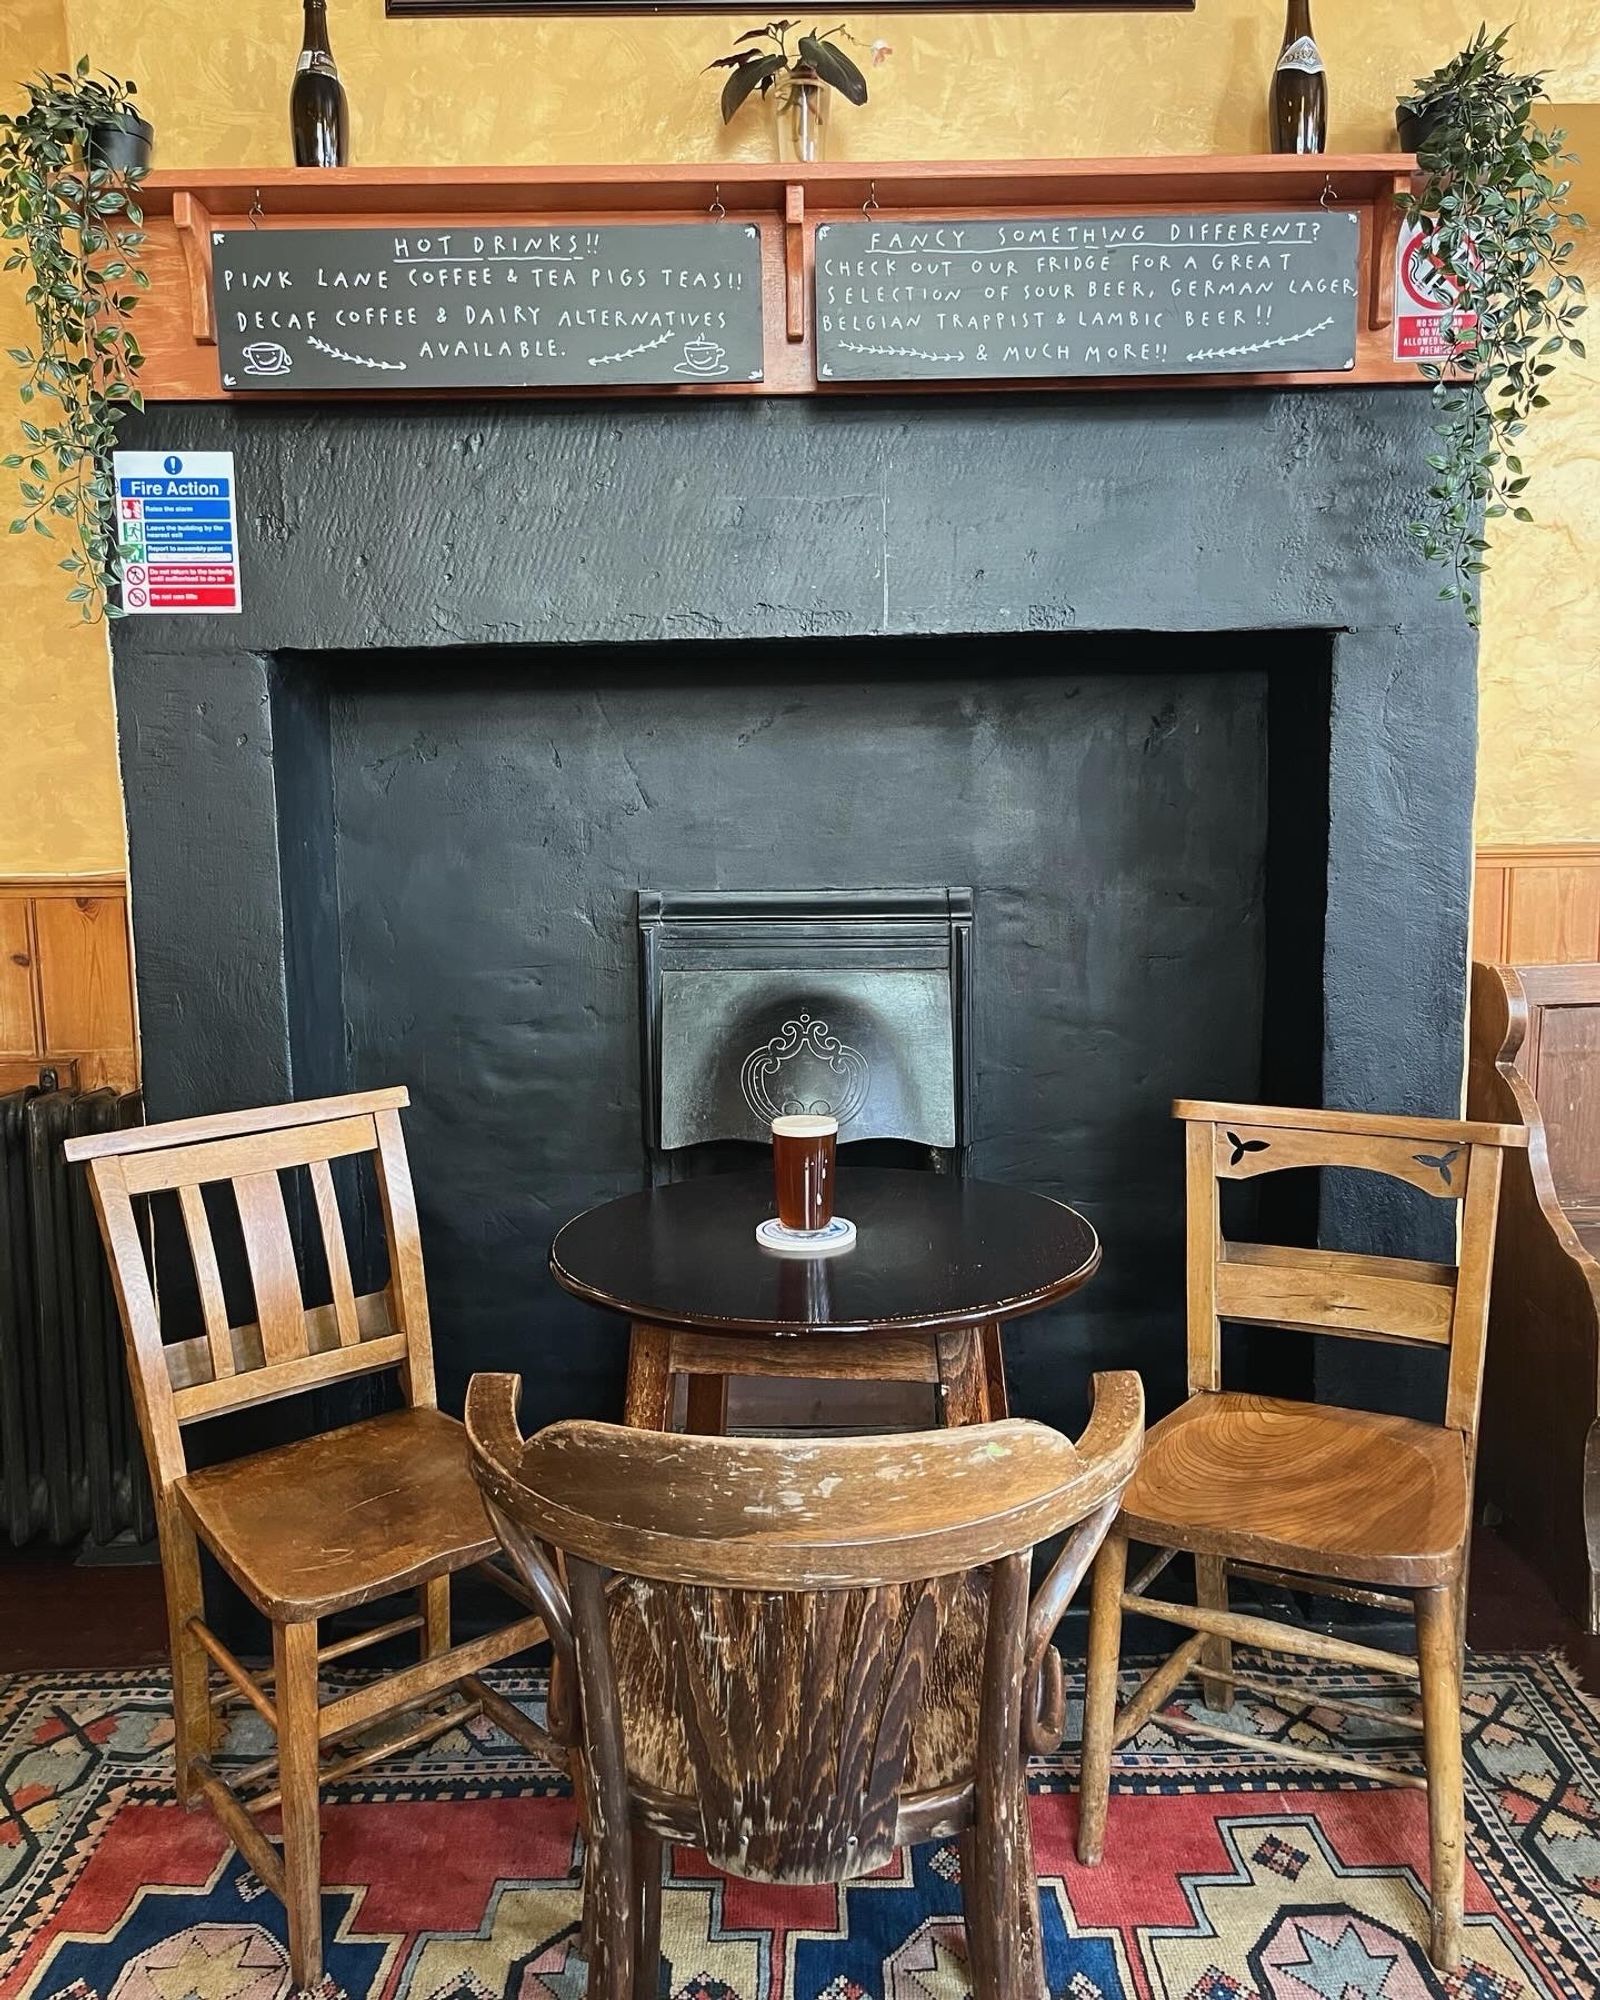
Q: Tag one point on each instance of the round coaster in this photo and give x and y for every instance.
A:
(840, 1234)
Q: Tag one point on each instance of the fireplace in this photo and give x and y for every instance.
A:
(758, 1003)
(1157, 676)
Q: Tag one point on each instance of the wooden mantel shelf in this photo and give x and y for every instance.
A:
(785, 202)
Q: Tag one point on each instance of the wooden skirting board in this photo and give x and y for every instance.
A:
(66, 986)
(1537, 905)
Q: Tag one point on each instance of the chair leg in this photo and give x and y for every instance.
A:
(194, 1722)
(1216, 1657)
(1440, 1660)
(991, 1895)
(1100, 1694)
(1030, 1927)
(611, 1917)
(294, 1657)
(647, 1937)
(436, 1616)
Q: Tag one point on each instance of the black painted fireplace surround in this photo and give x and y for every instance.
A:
(1157, 674)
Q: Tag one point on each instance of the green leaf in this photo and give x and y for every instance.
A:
(834, 67)
(744, 79)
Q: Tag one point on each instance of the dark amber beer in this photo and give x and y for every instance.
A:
(803, 1148)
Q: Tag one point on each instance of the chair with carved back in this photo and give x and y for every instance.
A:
(798, 1656)
(316, 1527)
(1312, 1497)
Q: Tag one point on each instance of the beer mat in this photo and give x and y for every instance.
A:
(840, 1234)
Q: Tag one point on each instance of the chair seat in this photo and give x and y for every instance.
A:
(944, 1734)
(1297, 1486)
(310, 1528)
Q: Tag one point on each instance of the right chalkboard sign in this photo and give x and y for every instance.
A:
(1215, 293)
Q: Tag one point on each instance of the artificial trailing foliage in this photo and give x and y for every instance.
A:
(815, 59)
(80, 229)
(1493, 211)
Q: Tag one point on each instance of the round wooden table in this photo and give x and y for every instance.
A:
(939, 1264)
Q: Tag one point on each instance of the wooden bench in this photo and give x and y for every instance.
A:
(1535, 1059)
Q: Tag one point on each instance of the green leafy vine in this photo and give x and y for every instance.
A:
(1491, 204)
(80, 230)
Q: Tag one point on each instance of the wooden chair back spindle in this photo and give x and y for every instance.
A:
(287, 1347)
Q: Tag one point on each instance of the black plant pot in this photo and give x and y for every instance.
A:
(122, 144)
(1417, 124)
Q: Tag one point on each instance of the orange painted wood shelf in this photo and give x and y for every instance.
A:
(785, 203)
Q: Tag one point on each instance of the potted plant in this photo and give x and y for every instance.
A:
(797, 83)
(1491, 206)
(71, 161)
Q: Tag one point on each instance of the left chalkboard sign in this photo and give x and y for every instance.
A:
(491, 307)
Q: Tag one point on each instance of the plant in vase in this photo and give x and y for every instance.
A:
(71, 161)
(1491, 205)
(796, 83)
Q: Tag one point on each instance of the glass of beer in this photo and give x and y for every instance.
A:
(803, 1147)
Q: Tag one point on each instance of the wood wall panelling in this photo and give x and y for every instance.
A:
(66, 986)
(18, 1008)
(1537, 905)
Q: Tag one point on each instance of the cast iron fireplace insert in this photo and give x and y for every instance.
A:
(855, 1003)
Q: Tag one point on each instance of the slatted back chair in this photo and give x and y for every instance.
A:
(798, 1656)
(1340, 1502)
(319, 1526)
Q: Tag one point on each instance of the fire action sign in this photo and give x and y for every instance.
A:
(179, 534)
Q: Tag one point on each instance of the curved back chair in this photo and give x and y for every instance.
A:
(798, 1656)
(1340, 1502)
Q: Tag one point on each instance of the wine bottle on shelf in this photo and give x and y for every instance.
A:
(319, 117)
(1299, 107)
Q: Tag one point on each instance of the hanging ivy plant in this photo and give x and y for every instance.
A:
(72, 208)
(1491, 203)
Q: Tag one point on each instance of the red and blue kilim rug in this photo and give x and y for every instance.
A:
(453, 1875)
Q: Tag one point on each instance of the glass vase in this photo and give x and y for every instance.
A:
(800, 105)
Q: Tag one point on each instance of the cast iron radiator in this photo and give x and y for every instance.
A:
(70, 1460)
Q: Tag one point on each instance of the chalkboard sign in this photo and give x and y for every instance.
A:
(1207, 294)
(474, 305)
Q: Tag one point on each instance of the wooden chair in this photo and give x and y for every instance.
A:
(1294, 1493)
(314, 1527)
(797, 1655)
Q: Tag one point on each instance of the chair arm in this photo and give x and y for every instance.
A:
(496, 1444)
(1045, 1714)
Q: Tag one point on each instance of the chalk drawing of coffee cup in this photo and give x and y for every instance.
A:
(702, 357)
(266, 357)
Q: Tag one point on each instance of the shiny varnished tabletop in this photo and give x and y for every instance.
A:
(933, 1252)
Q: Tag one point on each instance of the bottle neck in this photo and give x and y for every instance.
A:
(1297, 21)
(315, 39)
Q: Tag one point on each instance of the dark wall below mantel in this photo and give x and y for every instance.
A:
(457, 535)
(494, 816)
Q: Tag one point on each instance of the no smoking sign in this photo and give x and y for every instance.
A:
(1425, 301)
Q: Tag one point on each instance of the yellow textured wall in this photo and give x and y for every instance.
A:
(961, 87)
(60, 801)
(1539, 677)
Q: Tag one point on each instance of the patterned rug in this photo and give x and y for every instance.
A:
(452, 1876)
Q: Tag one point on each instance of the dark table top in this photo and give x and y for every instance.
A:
(932, 1251)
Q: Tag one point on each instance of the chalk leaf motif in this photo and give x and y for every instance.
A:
(1440, 1162)
(1243, 1146)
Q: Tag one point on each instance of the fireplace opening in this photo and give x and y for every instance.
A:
(465, 835)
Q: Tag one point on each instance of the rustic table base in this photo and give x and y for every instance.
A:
(965, 1362)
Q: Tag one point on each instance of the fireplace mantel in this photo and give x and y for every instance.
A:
(785, 204)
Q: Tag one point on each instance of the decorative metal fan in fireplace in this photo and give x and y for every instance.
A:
(855, 1002)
